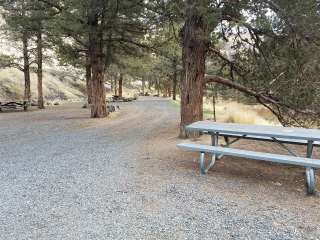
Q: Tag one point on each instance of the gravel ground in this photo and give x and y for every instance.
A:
(65, 176)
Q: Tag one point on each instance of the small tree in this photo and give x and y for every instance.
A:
(19, 28)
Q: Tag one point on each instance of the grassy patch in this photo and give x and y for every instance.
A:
(234, 112)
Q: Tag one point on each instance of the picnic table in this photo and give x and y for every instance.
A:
(116, 98)
(14, 105)
(232, 132)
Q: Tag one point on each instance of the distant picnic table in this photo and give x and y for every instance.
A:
(116, 98)
(232, 133)
(13, 105)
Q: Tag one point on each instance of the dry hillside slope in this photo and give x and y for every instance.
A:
(57, 85)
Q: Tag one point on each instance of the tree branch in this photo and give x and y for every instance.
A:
(285, 114)
(239, 87)
(51, 4)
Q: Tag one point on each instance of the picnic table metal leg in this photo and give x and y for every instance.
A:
(214, 142)
(310, 174)
(202, 166)
(309, 149)
(311, 180)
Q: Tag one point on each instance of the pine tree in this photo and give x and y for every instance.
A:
(18, 26)
(98, 27)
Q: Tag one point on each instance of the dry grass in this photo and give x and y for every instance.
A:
(57, 85)
(234, 112)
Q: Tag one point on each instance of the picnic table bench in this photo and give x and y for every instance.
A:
(14, 105)
(116, 98)
(280, 135)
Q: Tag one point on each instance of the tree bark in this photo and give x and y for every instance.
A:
(26, 68)
(120, 85)
(97, 60)
(88, 78)
(39, 70)
(195, 41)
(115, 85)
(174, 80)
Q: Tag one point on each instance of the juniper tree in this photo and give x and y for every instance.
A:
(96, 26)
(267, 22)
(275, 58)
(25, 23)
(39, 15)
(18, 27)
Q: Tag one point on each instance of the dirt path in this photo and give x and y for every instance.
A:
(65, 176)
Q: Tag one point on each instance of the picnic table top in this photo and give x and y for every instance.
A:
(256, 130)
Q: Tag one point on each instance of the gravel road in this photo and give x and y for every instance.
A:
(66, 176)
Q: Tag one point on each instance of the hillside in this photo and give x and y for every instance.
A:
(57, 85)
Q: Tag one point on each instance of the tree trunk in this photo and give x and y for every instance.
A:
(174, 80)
(143, 85)
(26, 69)
(111, 82)
(158, 87)
(39, 70)
(214, 103)
(115, 85)
(149, 84)
(194, 48)
(88, 78)
(120, 85)
(97, 60)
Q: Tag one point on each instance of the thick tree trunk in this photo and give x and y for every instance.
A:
(26, 69)
(97, 59)
(120, 85)
(88, 79)
(174, 80)
(194, 48)
(115, 85)
(39, 70)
